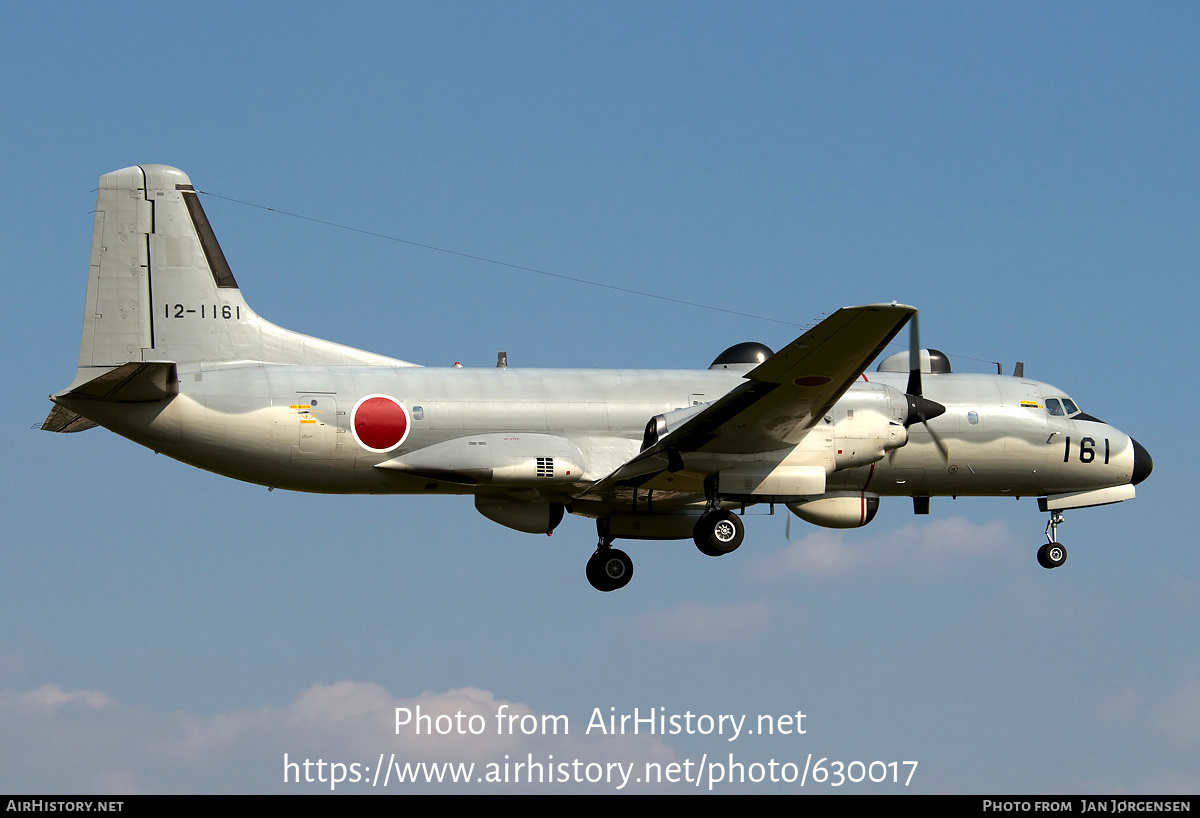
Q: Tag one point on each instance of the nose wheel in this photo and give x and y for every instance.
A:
(1053, 553)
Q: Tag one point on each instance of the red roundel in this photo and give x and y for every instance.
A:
(379, 423)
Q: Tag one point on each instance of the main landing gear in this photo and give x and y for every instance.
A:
(718, 532)
(1053, 553)
(609, 568)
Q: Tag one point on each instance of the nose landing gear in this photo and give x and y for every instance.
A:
(1053, 553)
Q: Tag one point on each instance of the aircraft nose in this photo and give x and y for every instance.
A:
(1142, 464)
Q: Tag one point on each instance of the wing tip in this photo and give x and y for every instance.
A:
(889, 306)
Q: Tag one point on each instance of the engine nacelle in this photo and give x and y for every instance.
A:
(530, 516)
(838, 509)
(660, 425)
(868, 422)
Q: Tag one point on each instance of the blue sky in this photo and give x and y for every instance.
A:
(1024, 173)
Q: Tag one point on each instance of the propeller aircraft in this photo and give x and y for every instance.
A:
(173, 358)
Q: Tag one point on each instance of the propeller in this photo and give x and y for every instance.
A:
(920, 408)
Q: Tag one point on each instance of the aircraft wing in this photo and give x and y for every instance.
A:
(782, 398)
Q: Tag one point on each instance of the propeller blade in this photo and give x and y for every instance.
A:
(921, 408)
(937, 441)
(914, 357)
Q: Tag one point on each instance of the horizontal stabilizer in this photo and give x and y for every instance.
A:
(62, 419)
(133, 382)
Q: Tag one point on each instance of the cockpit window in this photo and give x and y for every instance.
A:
(1070, 406)
(1054, 407)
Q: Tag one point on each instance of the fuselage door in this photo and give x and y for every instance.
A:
(318, 422)
(1027, 430)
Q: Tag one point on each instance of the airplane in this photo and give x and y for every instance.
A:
(173, 358)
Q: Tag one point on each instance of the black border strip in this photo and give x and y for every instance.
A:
(217, 264)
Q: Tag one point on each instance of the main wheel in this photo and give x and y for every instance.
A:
(594, 568)
(609, 569)
(718, 532)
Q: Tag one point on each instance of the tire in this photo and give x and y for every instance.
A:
(718, 533)
(1052, 555)
(609, 570)
(593, 572)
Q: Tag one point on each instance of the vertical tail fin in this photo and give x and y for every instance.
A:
(160, 289)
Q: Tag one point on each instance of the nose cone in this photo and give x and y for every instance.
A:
(922, 409)
(1142, 464)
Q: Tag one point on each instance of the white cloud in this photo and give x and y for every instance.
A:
(695, 622)
(922, 547)
(83, 741)
(1179, 716)
(50, 698)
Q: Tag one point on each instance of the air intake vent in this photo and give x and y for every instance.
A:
(545, 467)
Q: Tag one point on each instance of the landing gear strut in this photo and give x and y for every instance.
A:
(718, 532)
(609, 568)
(1053, 553)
